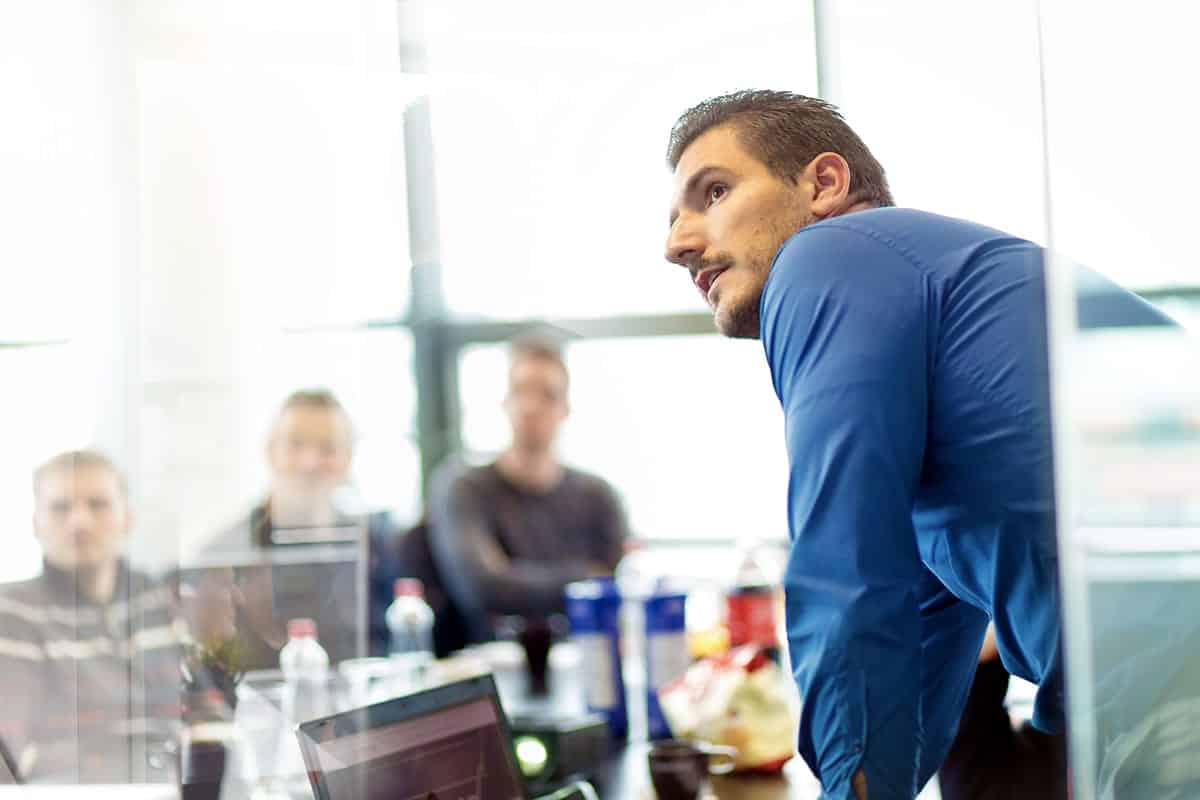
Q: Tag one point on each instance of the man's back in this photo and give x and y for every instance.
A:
(909, 353)
(984, 496)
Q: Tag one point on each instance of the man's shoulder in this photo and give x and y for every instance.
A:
(461, 475)
(23, 599)
(909, 223)
(919, 236)
(588, 483)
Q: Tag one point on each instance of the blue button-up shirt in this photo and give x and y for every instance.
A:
(909, 353)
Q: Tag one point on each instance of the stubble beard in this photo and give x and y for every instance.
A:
(739, 319)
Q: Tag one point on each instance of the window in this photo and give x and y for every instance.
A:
(697, 456)
(550, 125)
(946, 96)
(1109, 118)
(274, 226)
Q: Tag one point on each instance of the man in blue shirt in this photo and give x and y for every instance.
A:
(909, 353)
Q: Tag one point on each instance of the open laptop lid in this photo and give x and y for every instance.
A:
(447, 743)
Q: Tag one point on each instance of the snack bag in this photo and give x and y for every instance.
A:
(741, 699)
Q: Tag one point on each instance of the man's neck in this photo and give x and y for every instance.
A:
(861, 205)
(536, 470)
(99, 583)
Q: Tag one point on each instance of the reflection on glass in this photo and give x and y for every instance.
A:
(1127, 411)
(1135, 552)
(88, 648)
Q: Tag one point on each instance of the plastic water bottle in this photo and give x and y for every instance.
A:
(410, 623)
(305, 667)
(636, 582)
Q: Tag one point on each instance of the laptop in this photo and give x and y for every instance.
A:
(451, 742)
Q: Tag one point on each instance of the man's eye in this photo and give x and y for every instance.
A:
(716, 192)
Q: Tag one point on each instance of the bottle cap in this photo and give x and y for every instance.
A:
(300, 628)
(408, 587)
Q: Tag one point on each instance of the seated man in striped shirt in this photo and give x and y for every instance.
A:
(88, 649)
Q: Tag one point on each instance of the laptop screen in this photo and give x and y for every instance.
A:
(458, 752)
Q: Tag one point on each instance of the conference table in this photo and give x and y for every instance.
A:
(626, 776)
(623, 775)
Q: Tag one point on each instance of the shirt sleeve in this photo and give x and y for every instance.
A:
(612, 526)
(844, 327)
(478, 573)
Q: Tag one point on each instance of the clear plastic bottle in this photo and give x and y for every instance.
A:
(410, 625)
(305, 667)
(635, 581)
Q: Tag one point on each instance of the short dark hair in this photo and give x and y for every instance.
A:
(73, 460)
(538, 345)
(785, 131)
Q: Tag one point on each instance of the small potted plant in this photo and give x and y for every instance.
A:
(212, 670)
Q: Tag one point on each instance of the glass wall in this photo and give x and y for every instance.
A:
(210, 205)
(1127, 395)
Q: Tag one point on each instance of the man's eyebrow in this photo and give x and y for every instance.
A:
(693, 181)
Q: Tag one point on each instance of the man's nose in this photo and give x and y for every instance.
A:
(310, 459)
(80, 516)
(685, 243)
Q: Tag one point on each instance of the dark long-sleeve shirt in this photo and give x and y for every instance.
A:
(909, 354)
(505, 550)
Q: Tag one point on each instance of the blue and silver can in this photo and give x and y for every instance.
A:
(666, 654)
(593, 608)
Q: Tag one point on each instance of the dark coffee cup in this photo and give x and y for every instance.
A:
(679, 770)
(202, 770)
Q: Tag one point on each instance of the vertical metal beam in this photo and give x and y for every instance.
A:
(434, 355)
(825, 34)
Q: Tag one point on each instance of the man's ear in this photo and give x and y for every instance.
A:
(828, 175)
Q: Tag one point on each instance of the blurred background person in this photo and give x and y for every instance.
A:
(995, 756)
(88, 649)
(508, 536)
(309, 454)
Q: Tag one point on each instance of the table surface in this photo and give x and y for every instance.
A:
(627, 777)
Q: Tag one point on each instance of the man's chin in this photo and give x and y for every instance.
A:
(737, 322)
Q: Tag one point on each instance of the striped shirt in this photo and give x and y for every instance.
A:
(90, 690)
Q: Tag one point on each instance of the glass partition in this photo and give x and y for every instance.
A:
(1127, 395)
